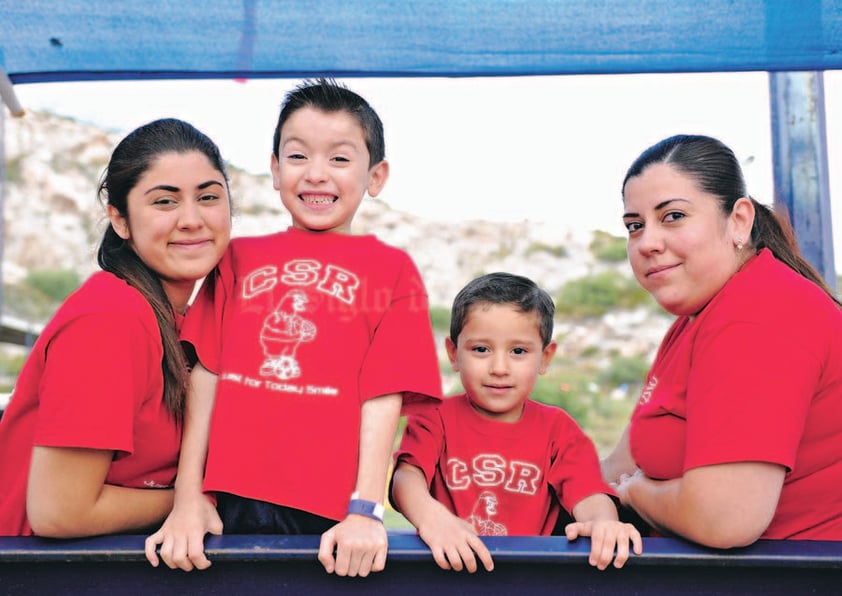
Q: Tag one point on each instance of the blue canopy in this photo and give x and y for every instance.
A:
(65, 40)
(51, 40)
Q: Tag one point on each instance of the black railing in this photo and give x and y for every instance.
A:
(523, 566)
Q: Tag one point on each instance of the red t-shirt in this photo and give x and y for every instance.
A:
(755, 376)
(504, 478)
(93, 380)
(301, 328)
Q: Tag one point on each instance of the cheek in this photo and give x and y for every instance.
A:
(635, 260)
(285, 178)
(147, 247)
(221, 220)
(472, 368)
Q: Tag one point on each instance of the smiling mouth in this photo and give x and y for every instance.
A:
(499, 387)
(318, 199)
(192, 243)
(656, 270)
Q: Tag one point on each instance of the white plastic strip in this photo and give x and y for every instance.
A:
(7, 92)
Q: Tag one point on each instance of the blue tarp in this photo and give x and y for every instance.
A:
(68, 40)
(49, 40)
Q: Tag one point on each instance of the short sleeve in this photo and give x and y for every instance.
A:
(423, 441)
(89, 397)
(402, 357)
(575, 472)
(748, 395)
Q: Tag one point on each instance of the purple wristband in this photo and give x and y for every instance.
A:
(366, 508)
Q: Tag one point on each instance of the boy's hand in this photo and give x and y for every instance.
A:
(454, 543)
(182, 536)
(361, 545)
(605, 536)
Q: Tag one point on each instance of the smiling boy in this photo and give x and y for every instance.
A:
(491, 461)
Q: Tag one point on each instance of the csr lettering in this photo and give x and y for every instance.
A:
(493, 470)
(333, 281)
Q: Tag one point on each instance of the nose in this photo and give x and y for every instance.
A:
(499, 365)
(190, 215)
(316, 170)
(649, 240)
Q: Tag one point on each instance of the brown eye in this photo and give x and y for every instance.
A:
(164, 201)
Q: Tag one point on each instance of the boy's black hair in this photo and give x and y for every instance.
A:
(504, 288)
(327, 95)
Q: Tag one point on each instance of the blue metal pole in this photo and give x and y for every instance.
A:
(799, 151)
(2, 196)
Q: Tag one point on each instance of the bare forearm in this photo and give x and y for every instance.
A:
(658, 503)
(723, 506)
(121, 509)
(412, 497)
(671, 510)
(378, 426)
(360, 544)
(67, 495)
(117, 509)
(595, 507)
(194, 442)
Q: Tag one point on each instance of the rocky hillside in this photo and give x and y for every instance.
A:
(54, 221)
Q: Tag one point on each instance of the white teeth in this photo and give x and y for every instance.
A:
(317, 200)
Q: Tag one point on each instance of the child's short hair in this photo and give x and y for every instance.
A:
(327, 95)
(504, 288)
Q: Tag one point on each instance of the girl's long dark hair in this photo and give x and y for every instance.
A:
(131, 159)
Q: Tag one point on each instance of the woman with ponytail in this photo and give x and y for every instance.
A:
(91, 435)
(736, 432)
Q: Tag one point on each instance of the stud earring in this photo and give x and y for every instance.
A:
(739, 242)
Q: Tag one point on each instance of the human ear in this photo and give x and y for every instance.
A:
(118, 222)
(377, 177)
(547, 356)
(742, 219)
(275, 168)
(450, 346)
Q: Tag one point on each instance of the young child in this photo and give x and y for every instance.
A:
(309, 342)
(492, 462)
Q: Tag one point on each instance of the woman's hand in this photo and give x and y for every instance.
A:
(624, 484)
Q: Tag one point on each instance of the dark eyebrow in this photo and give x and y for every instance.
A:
(169, 188)
(340, 143)
(658, 207)
(205, 185)
(165, 187)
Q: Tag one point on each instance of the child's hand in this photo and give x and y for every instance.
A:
(361, 545)
(605, 536)
(454, 543)
(182, 536)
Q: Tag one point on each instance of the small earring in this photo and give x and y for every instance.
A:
(739, 242)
